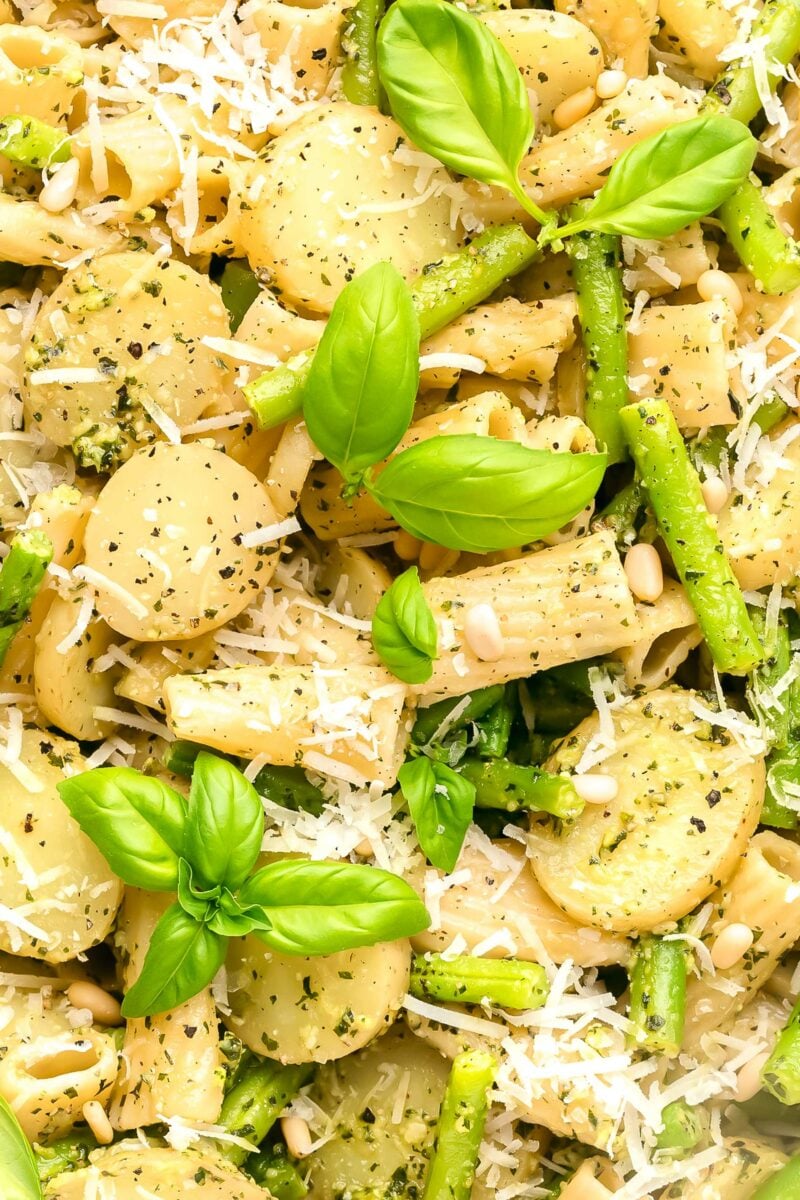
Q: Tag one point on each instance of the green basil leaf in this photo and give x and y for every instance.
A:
(225, 825)
(456, 91)
(670, 179)
(404, 631)
(197, 902)
(183, 957)
(136, 822)
(19, 1177)
(441, 803)
(321, 908)
(231, 919)
(480, 493)
(363, 382)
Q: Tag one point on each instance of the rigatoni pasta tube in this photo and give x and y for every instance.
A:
(36, 238)
(561, 604)
(172, 1060)
(747, 1164)
(669, 631)
(763, 894)
(342, 721)
(659, 266)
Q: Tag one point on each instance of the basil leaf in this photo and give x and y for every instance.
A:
(363, 382)
(456, 91)
(404, 631)
(232, 920)
(479, 493)
(19, 1177)
(441, 803)
(183, 957)
(670, 179)
(225, 825)
(321, 908)
(195, 901)
(136, 822)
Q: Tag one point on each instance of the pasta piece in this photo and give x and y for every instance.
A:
(565, 603)
(302, 1010)
(305, 39)
(52, 907)
(784, 144)
(698, 30)
(623, 26)
(660, 266)
(117, 359)
(68, 685)
(214, 227)
(36, 238)
(556, 55)
(681, 353)
(135, 29)
(344, 721)
(522, 922)
(173, 1059)
(40, 73)
(154, 664)
(669, 632)
(166, 544)
(684, 809)
(289, 467)
(277, 330)
(352, 578)
(748, 1163)
(763, 894)
(135, 1169)
(358, 206)
(514, 340)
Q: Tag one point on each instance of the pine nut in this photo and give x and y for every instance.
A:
(715, 493)
(731, 945)
(595, 788)
(574, 108)
(59, 191)
(610, 84)
(748, 1081)
(96, 1118)
(644, 571)
(716, 285)
(406, 546)
(482, 633)
(297, 1136)
(105, 1009)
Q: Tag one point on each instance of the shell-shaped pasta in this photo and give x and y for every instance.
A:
(136, 325)
(40, 73)
(68, 685)
(334, 196)
(697, 30)
(306, 36)
(747, 1164)
(144, 682)
(50, 1068)
(387, 1102)
(133, 1169)
(164, 543)
(314, 1009)
(54, 907)
(214, 229)
(36, 238)
(685, 808)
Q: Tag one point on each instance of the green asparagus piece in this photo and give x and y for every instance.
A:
(690, 533)
(785, 1185)
(442, 291)
(596, 269)
(684, 1128)
(360, 82)
(462, 1118)
(783, 767)
(506, 982)
(253, 1105)
(774, 717)
(735, 92)
(273, 1169)
(494, 730)
(621, 514)
(781, 1072)
(772, 258)
(67, 1154)
(510, 787)
(20, 577)
(33, 143)
(180, 756)
(289, 787)
(657, 1003)
(713, 447)
(430, 720)
(239, 288)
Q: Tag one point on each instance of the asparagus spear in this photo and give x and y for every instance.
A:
(506, 982)
(781, 1072)
(431, 719)
(253, 1105)
(461, 1122)
(657, 1003)
(33, 143)
(273, 1169)
(20, 577)
(785, 1185)
(67, 1154)
(508, 786)
(683, 1128)
(735, 92)
(360, 81)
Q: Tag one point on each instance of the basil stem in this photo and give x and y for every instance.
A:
(254, 1103)
(442, 291)
(21, 576)
(360, 81)
(684, 1127)
(510, 787)
(735, 92)
(690, 533)
(785, 1185)
(33, 143)
(657, 1005)
(596, 269)
(462, 1118)
(434, 718)
(274, 1171)
(506, 982)
(67, 1154)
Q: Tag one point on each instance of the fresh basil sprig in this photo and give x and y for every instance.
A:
(441, 804)
(19, 1178)
(668, 180)
(404, 631)
(206, 850)
(361, 389)
(476, 493)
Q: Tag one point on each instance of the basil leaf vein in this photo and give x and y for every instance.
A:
(225, 822)
(441, 804)
(404, 631)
